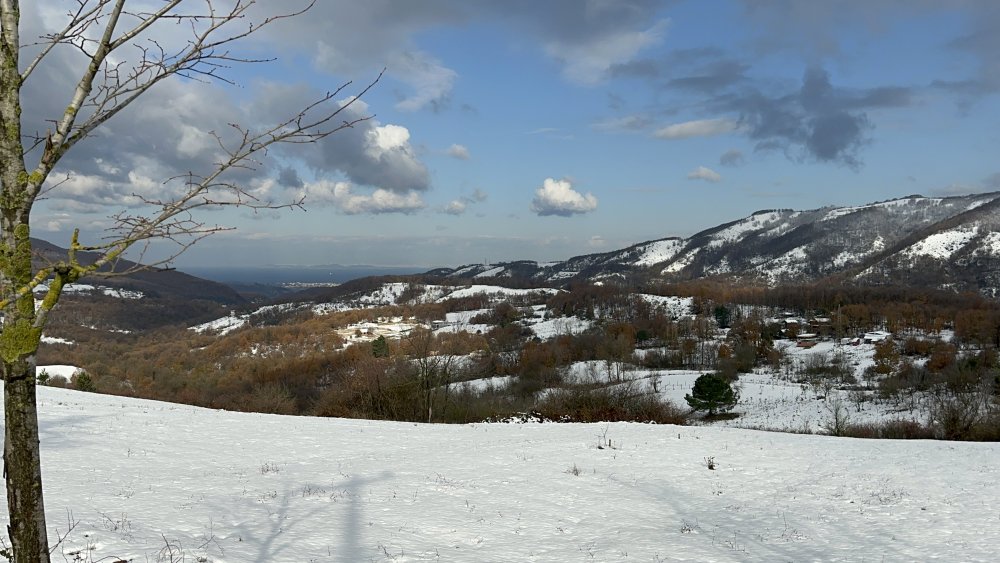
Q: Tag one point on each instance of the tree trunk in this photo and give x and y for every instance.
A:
(22, 464)
(20, 334)
(19, 339)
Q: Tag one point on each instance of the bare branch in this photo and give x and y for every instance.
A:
(174, 221)
(204, 55)
(75, 28)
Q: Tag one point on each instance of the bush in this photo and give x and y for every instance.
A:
(890, 430)
(954, 416)
(83, 382)
(608, 404)
(712, 393)
(271, 398)
(57, 381)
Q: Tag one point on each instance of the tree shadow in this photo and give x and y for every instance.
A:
(271, 542)
(64, 432)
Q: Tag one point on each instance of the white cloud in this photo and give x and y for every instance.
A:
(557, 197)
(56, 222)
(703, 173)
(588, 62)
(194, 141)
(459, 151)
(342, 196)
(455, 207)
(432, 82)
(697, 128)
(385, 138)
(461, 205)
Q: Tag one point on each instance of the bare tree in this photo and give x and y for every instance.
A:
(434, 370)
(123, 59)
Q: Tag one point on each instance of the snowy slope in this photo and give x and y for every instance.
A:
(889, 238)
(659, 251)
(226, 487)
(942, 245)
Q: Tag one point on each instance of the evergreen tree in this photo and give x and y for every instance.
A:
(712, 393)
(723, 316)
(380, 348)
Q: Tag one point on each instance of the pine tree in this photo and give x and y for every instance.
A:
(712, 393)
(380, 348)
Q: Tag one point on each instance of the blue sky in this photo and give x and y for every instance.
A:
(543, 130)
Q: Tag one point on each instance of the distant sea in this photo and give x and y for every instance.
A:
(280, 275)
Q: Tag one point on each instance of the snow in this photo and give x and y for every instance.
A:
(228, 487)
(561, 275)
(990, 244)
(87, 288)
(737, 231)
(495, 290)
(461, 321)
(122, 293)
(788, 264)
(486, 383)
(943, 244)
(659, 251)
(720, 267)
(672, 306)
(222, 326)
(56, 340)
(465, 270)
(394, 328)
(682, 262)
(492, 272)
(847, 257)
(78, 288)
(57, 370)
(225, 325)
(560, 326)
(904, 202)
(387, 294)
(978, 203)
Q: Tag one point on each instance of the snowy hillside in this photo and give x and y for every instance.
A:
(881, 241)
(382, 295)
(144, 481)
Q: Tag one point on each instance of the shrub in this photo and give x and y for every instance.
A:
(270, 398)
(838, 421)
(83, 382)
(889, 430)
(954, 416)
(921, 347)
(57, 381)
(608, 404)
(712, 393)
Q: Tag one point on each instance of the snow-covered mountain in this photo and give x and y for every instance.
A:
(942, 242)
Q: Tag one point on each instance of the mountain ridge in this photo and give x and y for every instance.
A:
(953, 242)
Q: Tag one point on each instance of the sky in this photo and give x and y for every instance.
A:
(544, 130)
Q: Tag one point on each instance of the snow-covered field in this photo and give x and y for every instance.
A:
(142, 477)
